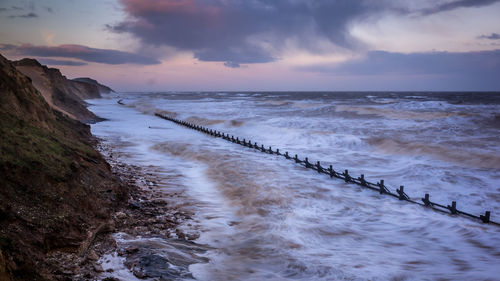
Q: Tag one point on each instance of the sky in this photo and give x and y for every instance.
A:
(261, 45)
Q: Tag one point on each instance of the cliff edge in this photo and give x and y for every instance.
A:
(64, 95)
(102, 88)
(56, 190)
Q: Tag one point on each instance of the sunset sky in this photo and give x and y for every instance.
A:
(249, 45)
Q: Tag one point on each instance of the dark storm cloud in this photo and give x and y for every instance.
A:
(492, 36)
(61, 62)
(457, 4)
(26, 16)
(254, 31)
(13, 8)
(80, 52)
(231, 31)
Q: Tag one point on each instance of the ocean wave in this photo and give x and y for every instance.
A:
(457, 155)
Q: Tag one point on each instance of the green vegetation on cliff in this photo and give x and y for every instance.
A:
(55, 188)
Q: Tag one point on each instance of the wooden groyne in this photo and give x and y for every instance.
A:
(345, 175)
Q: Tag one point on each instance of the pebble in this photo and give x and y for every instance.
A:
(120, 215)
(92, 256)
(98, 268)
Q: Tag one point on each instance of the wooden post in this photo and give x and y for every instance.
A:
(318, 165)
(486, 217)
(401, 192)
(286, 155)
(426, 200)
(308, 165)
(332, 172)
(362, 180)
(453, 207)
(296, 159)
(381, 187)
(347, 178)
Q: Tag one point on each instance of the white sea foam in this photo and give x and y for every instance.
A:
(113, 266)
(268, 218)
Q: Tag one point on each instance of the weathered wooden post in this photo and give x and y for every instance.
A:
(308, 165)
(426, 200)
(332, 172)
(453, 207)
(402, 194)
(381, 186)
(318, 166)
(362, 180)
(347, 177)
(486, 217)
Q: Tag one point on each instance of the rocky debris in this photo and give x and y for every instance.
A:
(155, 246)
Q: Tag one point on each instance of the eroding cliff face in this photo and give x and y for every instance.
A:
(89, 81)
(61, 93)
(56, 190)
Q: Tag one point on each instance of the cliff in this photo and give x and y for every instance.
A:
(64, 95)
(102, 88)
(56, 190)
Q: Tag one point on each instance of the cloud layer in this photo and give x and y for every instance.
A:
(61, 62)
(470, 70)
(80, 52)
(430, 63)
(256, 31)
(240, 31)
(492, 36)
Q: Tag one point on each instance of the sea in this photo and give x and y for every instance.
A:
(263, 217)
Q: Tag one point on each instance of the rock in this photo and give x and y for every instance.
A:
(134, 205)
(98, 268)
(92, 256)
(132, 250)
(120, 215)
(155, 266)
